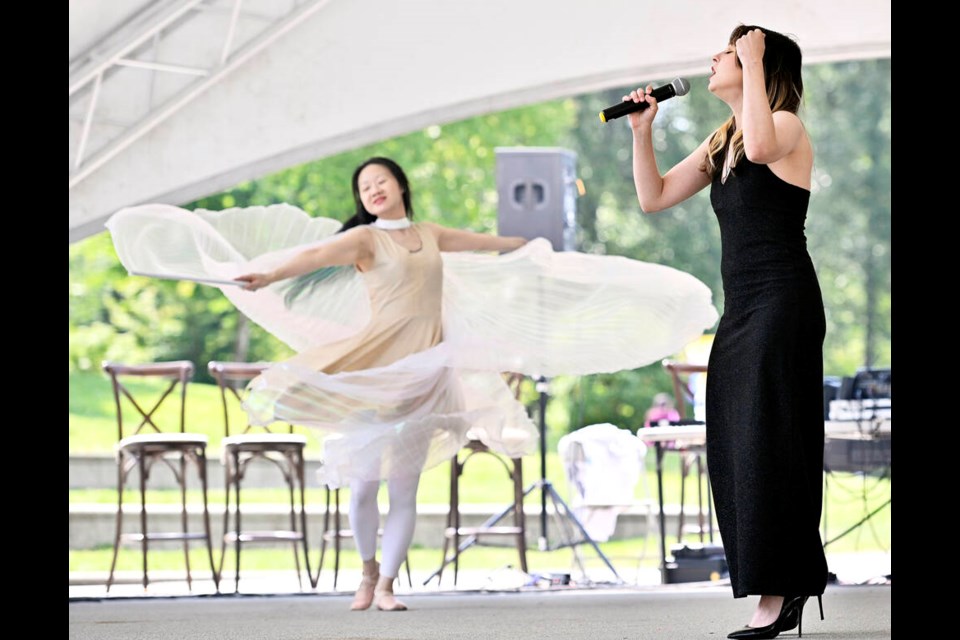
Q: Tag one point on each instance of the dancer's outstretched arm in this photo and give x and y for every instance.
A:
(351, 247)
(459, 240)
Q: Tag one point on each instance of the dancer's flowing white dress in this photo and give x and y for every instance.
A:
(400, 365)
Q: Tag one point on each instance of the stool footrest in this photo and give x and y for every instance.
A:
(343, 533)
(138, 537)
(476, 531)
(264, 536)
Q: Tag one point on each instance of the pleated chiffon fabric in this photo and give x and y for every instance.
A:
(398, 366)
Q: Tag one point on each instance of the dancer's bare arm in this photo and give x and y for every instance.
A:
(459, 240)
(351, 247)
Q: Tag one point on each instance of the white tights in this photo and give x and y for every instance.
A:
(397, 530)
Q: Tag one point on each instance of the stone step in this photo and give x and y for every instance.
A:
(100, 472)
(93, 525)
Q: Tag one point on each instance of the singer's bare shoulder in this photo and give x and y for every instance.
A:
(789, 124)
(788, 137)
(792, 125)
(792, 161)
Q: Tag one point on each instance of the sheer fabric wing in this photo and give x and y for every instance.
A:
(162, 239)
(540, 312)
(532, 311)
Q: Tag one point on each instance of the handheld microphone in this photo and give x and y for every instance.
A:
(679, 87)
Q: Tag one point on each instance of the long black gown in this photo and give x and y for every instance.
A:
(764, 403)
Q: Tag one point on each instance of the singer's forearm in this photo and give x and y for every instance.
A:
(760, 142)
(646, 174)
(684, 179)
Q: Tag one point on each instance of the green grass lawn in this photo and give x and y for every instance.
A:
(621, 553)
(93, 430)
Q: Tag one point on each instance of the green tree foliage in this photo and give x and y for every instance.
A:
(847, 112)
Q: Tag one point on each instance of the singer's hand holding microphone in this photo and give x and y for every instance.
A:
(638, 101)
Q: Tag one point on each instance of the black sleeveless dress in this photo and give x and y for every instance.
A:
(764, 403)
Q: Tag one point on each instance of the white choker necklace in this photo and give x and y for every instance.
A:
(400, 223)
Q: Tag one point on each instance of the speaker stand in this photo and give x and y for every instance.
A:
(572, 531)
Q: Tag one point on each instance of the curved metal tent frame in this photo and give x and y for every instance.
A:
(171, 100)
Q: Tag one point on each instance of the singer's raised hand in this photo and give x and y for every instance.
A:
(750, 47)
(642, 119)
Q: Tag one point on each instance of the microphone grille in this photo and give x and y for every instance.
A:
(681, 86)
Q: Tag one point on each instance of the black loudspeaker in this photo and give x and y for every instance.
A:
(537, 194)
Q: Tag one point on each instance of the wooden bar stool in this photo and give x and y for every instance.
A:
(284, 450)
(458, 538)
(143, 450)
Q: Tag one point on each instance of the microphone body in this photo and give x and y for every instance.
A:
(679, 87)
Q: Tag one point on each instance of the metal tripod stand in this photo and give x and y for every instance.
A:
(569, 524)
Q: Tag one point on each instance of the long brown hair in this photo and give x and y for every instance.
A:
(781, 73)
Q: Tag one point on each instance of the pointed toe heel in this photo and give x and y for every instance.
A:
(791, 617)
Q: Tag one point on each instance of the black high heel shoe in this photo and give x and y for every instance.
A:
(795, 621)
(791, 617)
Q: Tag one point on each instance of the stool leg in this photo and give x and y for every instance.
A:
(116, 537)
(323, 535)
(291, 478)
(201, 459)
(450, 523)
(336, 538)
(183, 517)
(303, 517)
(236, 498)
(518, 516)
(684, 468)
(228, 487)
(710, 506)
(455, 507)
(700, 497)
(143, 516)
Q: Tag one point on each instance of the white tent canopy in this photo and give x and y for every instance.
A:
(171, 100)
